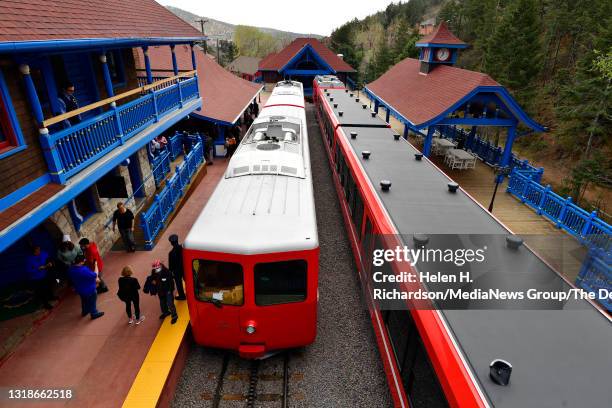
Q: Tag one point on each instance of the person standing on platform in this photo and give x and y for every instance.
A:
(124, 219)
(163, 280)
(93, 260)
(175, 264)
(231, 145)
(255, 109)
(38, 266)
(209, 142)
(66, 254)
(128, 293)
(85, 280)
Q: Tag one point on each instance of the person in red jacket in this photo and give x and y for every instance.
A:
(93, 261)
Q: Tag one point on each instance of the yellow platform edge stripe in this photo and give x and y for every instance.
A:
(151, 378)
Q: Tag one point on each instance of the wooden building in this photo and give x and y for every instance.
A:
(58, 159)
(302, 60)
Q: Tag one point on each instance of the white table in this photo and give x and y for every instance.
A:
(459, 159)
(441, 146)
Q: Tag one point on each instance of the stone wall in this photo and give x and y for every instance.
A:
(98, 227)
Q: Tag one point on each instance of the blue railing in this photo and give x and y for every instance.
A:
(596, 275)
(154, 218)
(488, 152)
(351, 83)
(161, 166)
(587, 227)
(70, 150)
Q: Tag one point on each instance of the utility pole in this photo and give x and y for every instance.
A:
(202, 22)
(218, 60)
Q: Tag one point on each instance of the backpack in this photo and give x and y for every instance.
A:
(149, 286)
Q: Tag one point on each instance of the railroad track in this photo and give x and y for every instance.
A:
(254, 383)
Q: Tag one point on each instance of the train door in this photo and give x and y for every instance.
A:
(285, 301)
(219, 295)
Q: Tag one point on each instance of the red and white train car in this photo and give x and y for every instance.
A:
(252, 257)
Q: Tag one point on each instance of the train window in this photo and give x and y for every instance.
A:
(358, 213)
(366, 246)
(218, 281)
(400, 327)
(280, 282)
(420, 381)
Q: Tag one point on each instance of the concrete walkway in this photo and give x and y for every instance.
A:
(99, 359)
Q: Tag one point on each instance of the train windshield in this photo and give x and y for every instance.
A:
(280, 282)
(218, 281)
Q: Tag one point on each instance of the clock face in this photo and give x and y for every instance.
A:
(442, 54)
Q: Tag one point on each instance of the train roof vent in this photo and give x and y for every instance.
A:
(289, 170)
(268, 146)
(264, 167)
(273, 168)
(256, 167)
(240, 170)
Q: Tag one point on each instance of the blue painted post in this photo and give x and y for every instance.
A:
(547, 190)
(471, 137)
(539, 175)
(220, 138)
(108, 83)
(505, 159)
(428, 140)
(32, 95)
(388, 116)
(376, 104)
(405, 131)
(587, 226)
(566, 203)
(145, 51)
(193, 57)
(174, 63)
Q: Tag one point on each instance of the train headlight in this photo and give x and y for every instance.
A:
(250, 329)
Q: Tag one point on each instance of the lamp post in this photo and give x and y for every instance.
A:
(500, 173)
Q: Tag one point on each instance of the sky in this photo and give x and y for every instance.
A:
(305, 16)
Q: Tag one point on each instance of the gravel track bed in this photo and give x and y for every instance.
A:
(343, 367)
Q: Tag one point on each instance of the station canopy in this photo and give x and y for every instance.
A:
(292, 52)
(224, 95)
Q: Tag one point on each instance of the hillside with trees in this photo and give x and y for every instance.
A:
(555, 57)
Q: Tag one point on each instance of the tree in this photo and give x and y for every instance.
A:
(227, 52)
(513, 54)
(253, 42)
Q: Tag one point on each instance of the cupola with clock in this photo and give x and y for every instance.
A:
(441, 47)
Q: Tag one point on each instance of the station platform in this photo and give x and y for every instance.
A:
(100, 359)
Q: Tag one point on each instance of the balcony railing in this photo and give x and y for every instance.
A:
(70, 150)
(153, 219)
(587, 227)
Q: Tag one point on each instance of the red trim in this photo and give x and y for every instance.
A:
(454, 377)
(6, 128)
(284, 104)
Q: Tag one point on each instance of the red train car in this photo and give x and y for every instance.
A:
(438, 357)
(252, 257)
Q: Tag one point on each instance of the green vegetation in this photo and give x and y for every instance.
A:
(253, 42)
(555, 56)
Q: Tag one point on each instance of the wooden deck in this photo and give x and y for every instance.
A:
(561, 250)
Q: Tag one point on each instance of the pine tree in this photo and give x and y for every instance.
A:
(513, 53)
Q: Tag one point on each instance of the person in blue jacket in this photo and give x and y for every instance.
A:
(85, 281)
(38, 267)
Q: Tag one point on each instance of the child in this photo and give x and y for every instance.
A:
(128, 293)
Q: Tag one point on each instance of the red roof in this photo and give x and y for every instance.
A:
(275, 62)
(419, 97)
(441, 35)
(28, 20)
(224, 95)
